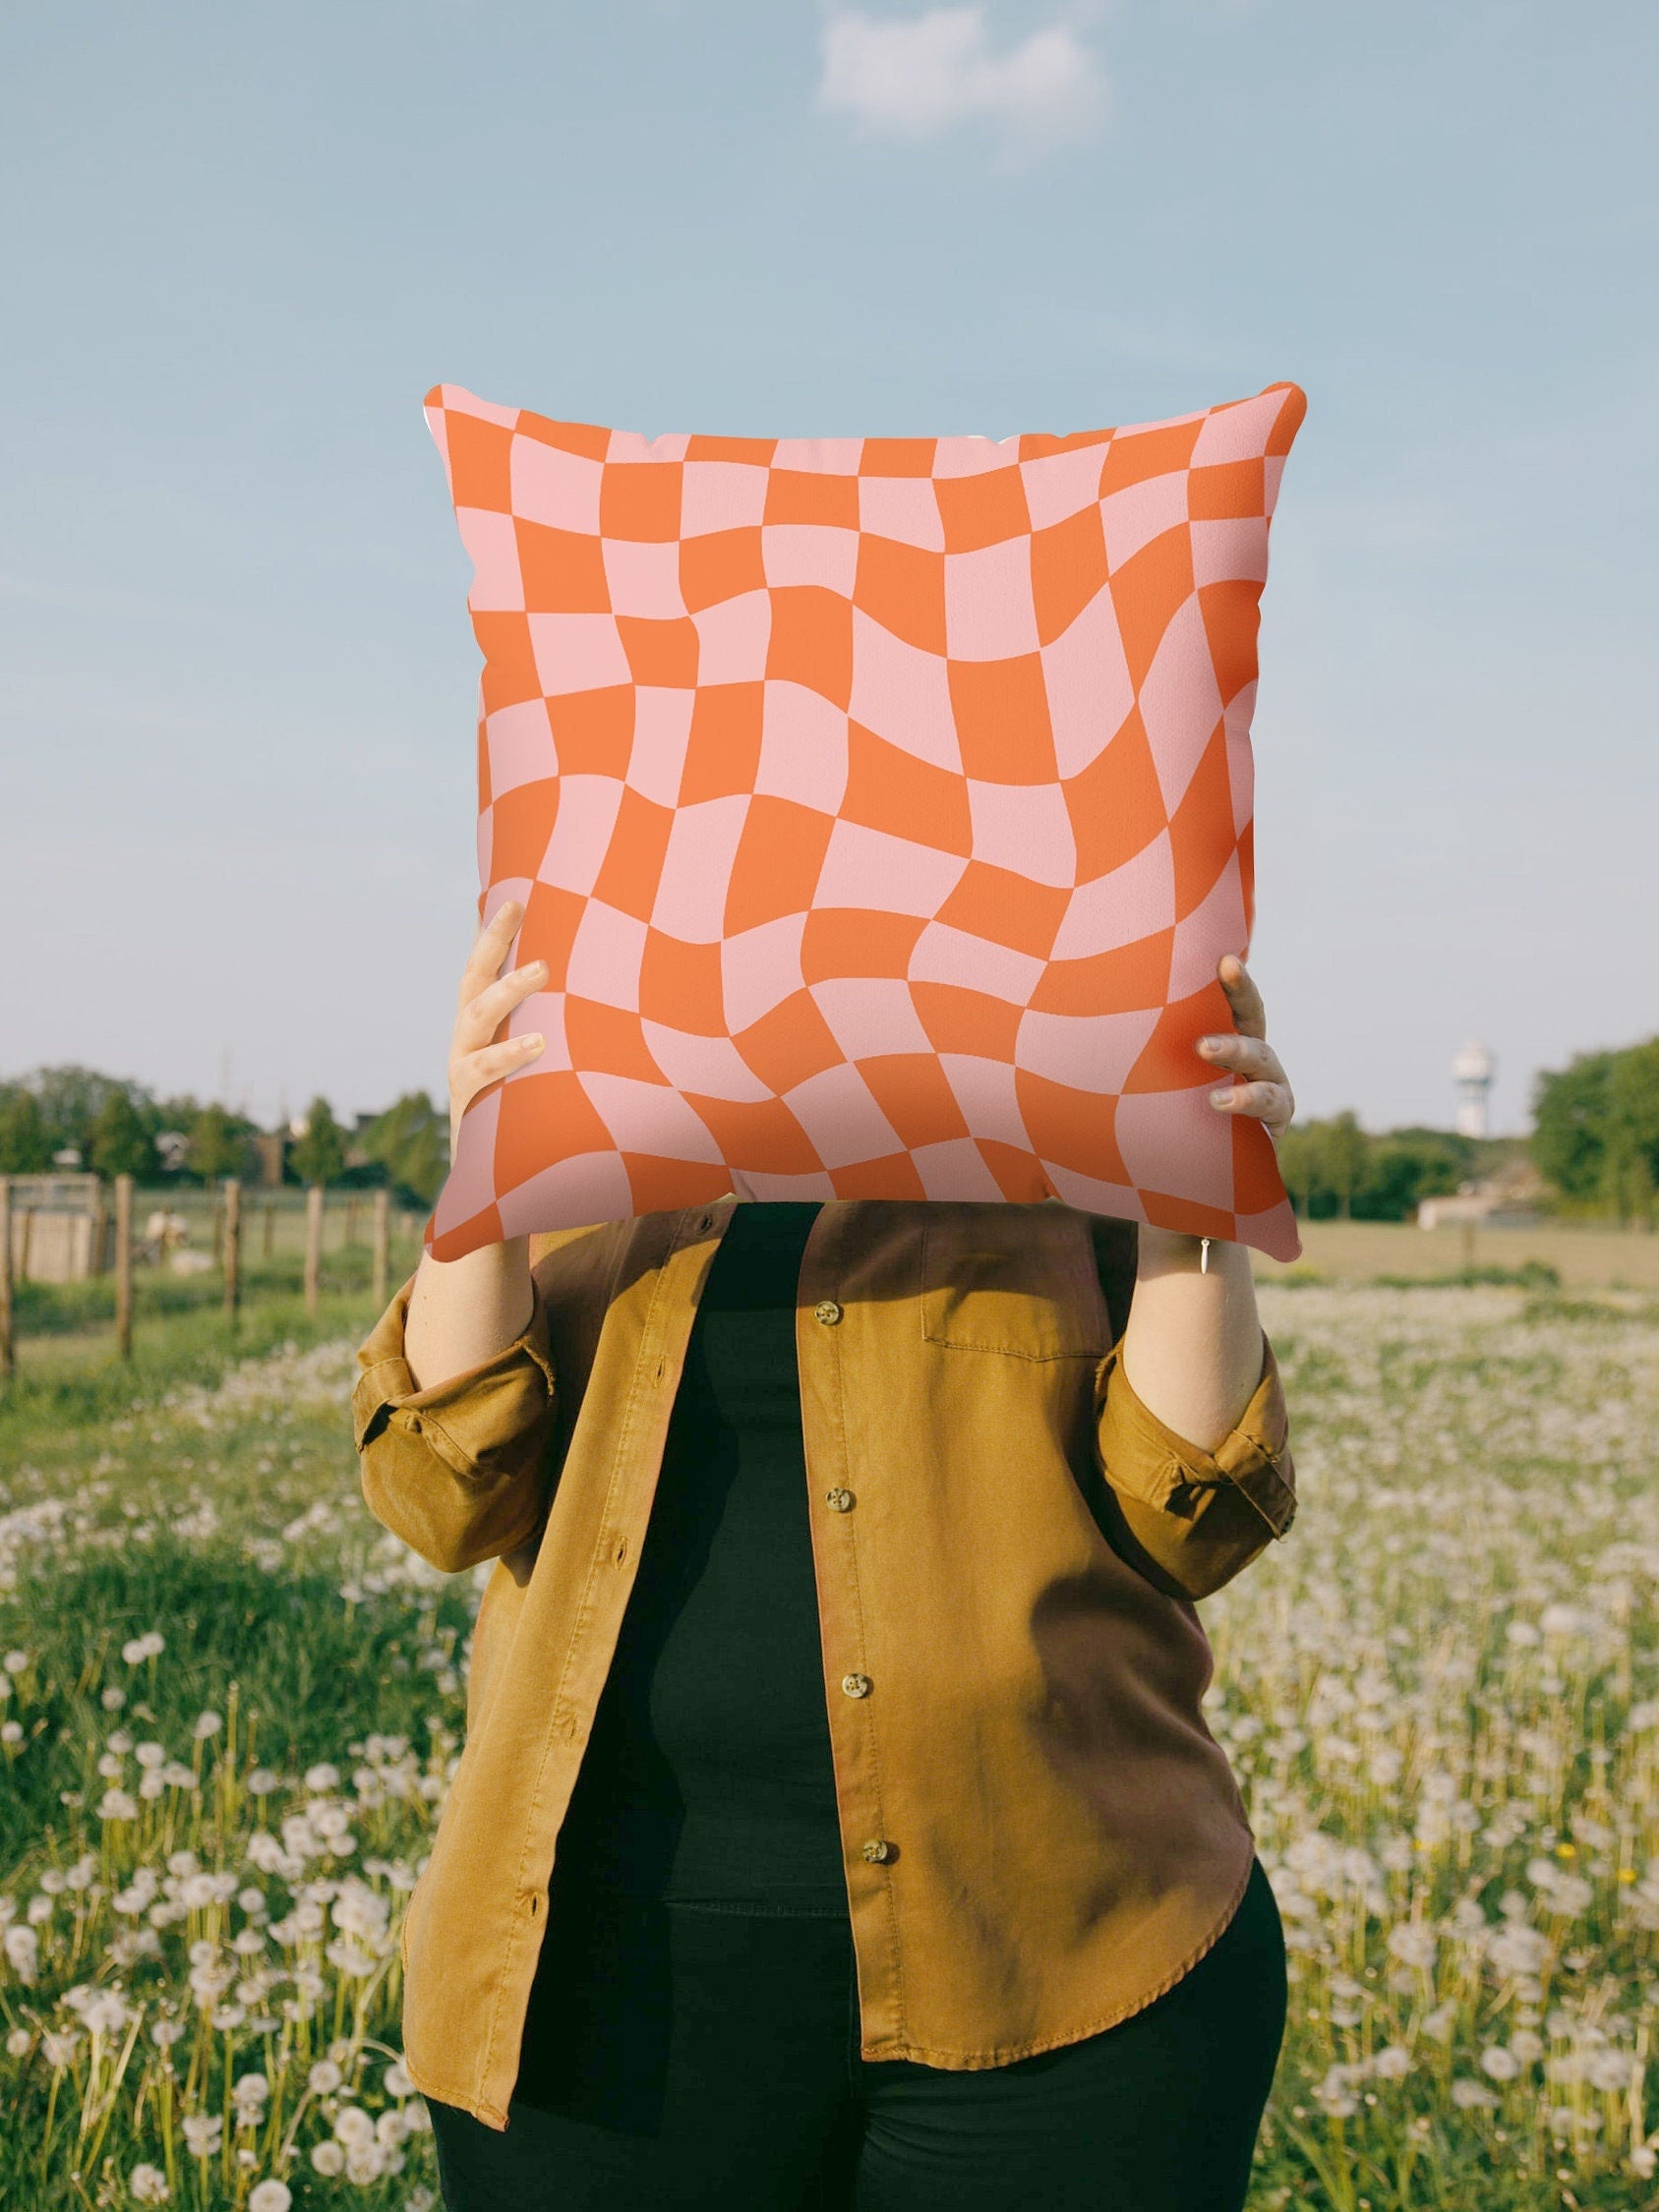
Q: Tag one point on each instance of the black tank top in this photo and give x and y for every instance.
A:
(709, 1774)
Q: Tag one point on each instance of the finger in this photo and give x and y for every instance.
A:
(481, 1016)
(1263, 1101)
(475, 1070)
(1249, 1013)
(490, 948)
(1251, 1057)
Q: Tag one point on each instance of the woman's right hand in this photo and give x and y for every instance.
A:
(464, 1311)
(487, 999)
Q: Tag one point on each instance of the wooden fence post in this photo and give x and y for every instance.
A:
(100, 1219)
(218, 1230)
(124, 1266)
(1468, 1242)
(232, 1247)
(267, 1236)
(8, 1358)
(313, 1246)
(351, 1218)
(382, 1247)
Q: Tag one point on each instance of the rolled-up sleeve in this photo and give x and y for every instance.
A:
(1200, 1515)
(459, 1470)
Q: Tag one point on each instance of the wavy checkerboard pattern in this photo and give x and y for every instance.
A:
(880, 806)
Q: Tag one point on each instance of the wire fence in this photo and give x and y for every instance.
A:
(80, 1258)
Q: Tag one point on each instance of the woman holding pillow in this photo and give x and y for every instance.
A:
(838, 1826)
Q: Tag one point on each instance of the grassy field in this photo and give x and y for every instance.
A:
(1362, 1251)
(230, 1706)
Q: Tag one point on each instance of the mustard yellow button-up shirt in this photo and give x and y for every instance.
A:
(1040, 1834)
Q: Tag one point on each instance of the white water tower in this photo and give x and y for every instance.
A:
(1472, 1070)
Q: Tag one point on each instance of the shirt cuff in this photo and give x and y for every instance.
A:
(1165, 1470)
(472, 1421)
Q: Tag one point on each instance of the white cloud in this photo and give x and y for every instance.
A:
(911, 80)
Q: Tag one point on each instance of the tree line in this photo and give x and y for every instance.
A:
(76, 1118)
(1594, 1143)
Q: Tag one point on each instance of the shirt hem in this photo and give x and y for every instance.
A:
(477, 2107)
(1003, 2055)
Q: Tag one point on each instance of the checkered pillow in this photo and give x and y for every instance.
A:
(881, 807)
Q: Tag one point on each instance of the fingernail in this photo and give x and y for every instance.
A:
(1220, 1097)
(533, 1043)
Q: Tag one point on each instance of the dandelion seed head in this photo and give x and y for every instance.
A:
(203, 2134)
(353, 2127)
(1469, 2095)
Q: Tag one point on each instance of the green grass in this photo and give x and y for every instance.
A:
(1440, 1695)
(1531, 1274)
(69, 1374)
(46, 1309)
(307, 1674)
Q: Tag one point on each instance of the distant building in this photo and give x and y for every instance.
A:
(172, 1147)
(1508, 1198)
(271, 1149)
(60, 1230)
(1472, 1070)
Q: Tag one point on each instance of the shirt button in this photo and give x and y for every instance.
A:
(839, 1501)
(827, 1311)
(877, 1851)
(855, 1686)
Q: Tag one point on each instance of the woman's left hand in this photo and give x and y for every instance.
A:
(1263, 1088)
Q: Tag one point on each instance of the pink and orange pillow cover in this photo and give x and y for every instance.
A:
(880, 806)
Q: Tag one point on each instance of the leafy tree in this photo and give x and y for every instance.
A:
(175, 1117)
(318, 1157)
(121, 1142)
(1343, 1157)
(1631, 1154)
(1570, 1115)
(1334, 1169)
(218, 1143)
(26, 1147)
(410, 1140)
(72, 1100)
(1402, 1167)
(1297, 1159)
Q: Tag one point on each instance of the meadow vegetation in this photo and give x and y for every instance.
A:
(231, 1705)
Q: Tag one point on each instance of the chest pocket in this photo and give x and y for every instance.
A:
(1016, 1279)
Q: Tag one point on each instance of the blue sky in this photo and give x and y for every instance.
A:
(237, 678)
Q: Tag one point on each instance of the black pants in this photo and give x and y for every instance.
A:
(696, 2056)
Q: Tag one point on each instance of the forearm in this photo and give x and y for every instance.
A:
(1192, 1346)
(464, 1311)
